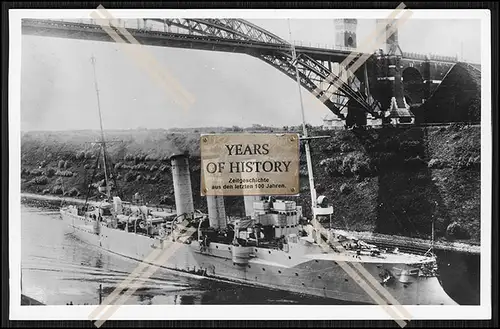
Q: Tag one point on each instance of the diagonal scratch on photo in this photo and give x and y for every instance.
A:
(229, 161)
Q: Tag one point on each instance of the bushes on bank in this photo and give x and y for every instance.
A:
(456, 126)
(436, 164)
(345, 188)
(333, 166)
(80, 155)
(50, 172)
(468, 162)
(40, 180)
(73, 192)
(303, 172)
(36, 172)
(167, 200)
(345, 147)
(140, 167)
(64, 173)
(129, 157)
(129, 177)
(151, 157)
(57, 189)
(467, 157)
(353, 164)
(456, 231)
(357, 163)
(157, 178)
(139, 158)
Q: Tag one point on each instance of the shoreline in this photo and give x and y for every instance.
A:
(415, 244)
(404, 242)
(49, 201)
(51, 198)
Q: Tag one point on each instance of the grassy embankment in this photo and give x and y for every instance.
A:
(393, 181)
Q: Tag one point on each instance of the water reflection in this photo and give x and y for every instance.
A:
(188, 300)
(460, 276)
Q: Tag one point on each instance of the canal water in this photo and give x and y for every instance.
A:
(58, 269)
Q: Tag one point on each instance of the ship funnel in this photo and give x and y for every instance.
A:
(216, 211)
(249, 208)
(182, 184)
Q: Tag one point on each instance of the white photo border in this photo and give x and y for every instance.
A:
(240, 312)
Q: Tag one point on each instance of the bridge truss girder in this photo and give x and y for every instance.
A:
(234, 35)
(314, 76)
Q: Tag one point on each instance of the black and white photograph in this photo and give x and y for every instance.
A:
(272, 159)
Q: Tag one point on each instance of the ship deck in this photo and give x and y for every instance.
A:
(390, 258)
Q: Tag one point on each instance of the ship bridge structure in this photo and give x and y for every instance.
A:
(380, 90)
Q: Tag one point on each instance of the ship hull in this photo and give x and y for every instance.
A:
(269, 268)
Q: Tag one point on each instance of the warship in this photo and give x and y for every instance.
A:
(272, 246)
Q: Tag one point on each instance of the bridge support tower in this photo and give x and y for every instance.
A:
(389, 77)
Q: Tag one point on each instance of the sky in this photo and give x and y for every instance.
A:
(58, 93)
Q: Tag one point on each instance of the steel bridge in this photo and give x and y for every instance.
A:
(319, 69)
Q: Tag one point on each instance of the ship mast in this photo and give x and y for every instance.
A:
(432, 242)
(304, 128)
(432, 228)
(431, 248)
(103, 143)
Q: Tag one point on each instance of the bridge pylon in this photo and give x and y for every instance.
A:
(389, 74)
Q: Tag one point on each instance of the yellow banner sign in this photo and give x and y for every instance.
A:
(249, 164)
